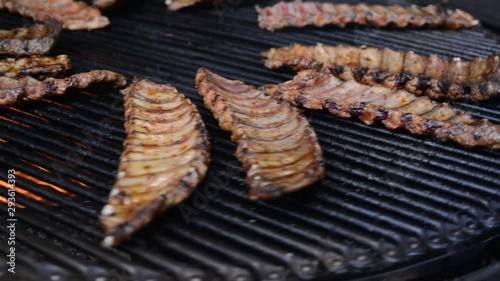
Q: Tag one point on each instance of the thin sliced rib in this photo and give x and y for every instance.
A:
(29, 89)
(174, 5)
(74, 15)
(300, 14)
(394, 108)
(104, 4)
(165, 157)
(34, 66)
(39, 39)
(432, 76)
(276, 145)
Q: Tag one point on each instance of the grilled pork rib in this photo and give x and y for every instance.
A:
(174, 5)
(39, 39)
(104, 4)
(29, 89)
(34, 66)
(394, 108)
(277, 147)
(432, 76)
(166, 154)
(299, 14)
(74, 15)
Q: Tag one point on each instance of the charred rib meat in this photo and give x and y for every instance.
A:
(277, 147)
(299, 14)
(29, 89)
(394, 108)
(104, 4)
(432, 76)
(174, 5)
(34, 66)
(166, 155)
(73, 15)
(39, 39)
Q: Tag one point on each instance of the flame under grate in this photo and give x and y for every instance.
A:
(391, 204)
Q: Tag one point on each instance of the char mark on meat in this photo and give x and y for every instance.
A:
(432, 76)
(39, 39)
(394, 108)
(276, 145)
(300, 14)
(166, 155)
(174, 5)
(29, 89)
(35, 66)
(74, 15)
(104, 4)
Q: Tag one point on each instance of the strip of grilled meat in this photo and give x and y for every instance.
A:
(166, 155)
(34, 66)
(174, 5)
(394, 108)
(73, 15)
(39, 39)
(432, 76)
(104, 4)
(299, 14)
(29, 89)
(276, 145)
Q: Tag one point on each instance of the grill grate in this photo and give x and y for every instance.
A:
(391, 205)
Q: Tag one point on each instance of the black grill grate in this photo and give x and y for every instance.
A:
(391, 205)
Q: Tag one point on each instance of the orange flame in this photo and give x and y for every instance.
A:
(29, 114)
(43, 183)
(5, 201)
(80, 183)
(36, 166)
(14, 122)
(27, 193)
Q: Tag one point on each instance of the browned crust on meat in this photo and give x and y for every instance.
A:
(34, 66)
(394, 108)
(74, 15)
(276, 145)
(174, 5)
(166, 155)
(432, 76)
(29, 89)
(300, 14)
(104, 4)
(39, 39)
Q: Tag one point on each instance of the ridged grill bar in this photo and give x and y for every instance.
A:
(392, 204)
